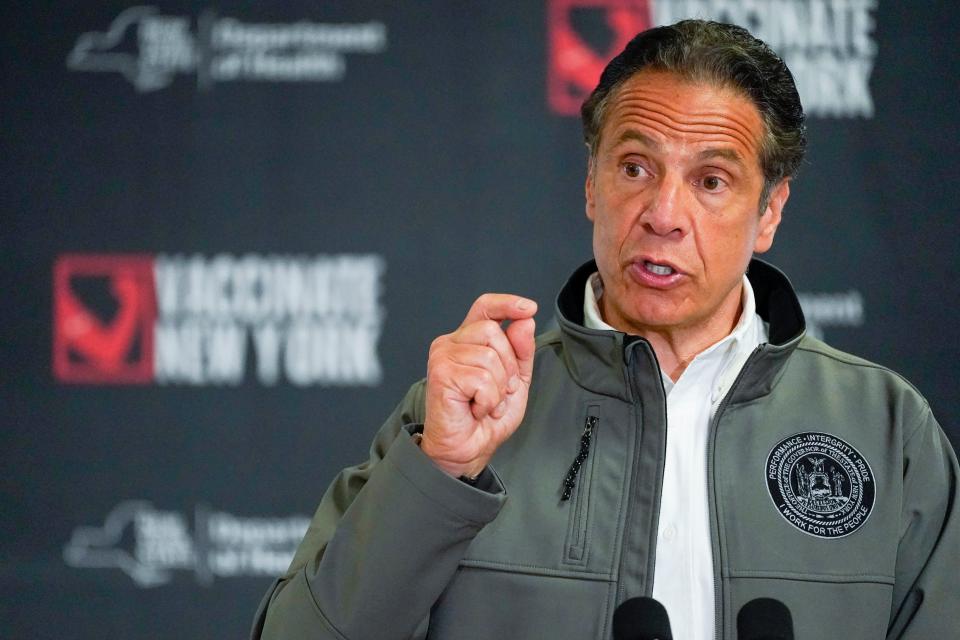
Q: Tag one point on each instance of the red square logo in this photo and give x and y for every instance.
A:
(583, 36)
(104, 311)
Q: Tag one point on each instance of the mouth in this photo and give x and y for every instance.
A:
(655, 273)
(658, 269)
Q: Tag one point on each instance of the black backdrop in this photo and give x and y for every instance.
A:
(384, 162)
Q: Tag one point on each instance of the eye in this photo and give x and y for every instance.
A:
(712, 183)
(633, 170)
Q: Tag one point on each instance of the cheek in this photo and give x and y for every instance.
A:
(730, 229)
(616, 227)
(727, 247)
(608, 232)
(600, 245)
(606, 247)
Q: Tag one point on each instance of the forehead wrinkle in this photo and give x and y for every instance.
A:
(696, 122)
(709, 133)
(699, 123)
(663, 99)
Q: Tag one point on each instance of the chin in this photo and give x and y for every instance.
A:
(657, 321)
(652, 316)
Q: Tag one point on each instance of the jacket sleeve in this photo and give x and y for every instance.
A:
(383, 544)
(926, 595)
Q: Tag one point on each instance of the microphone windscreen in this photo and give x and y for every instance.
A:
(764, 619)
(641, 619)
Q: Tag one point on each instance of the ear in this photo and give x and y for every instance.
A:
(588, 190)
(771, 217)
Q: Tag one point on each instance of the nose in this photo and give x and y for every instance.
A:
(667, 213)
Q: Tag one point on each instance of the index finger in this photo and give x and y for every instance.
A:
(500, 307)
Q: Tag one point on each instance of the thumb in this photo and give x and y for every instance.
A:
(520, 333)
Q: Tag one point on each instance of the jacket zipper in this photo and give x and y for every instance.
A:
(582, 470)
(634, 475)
(570, 481)
(714, 524)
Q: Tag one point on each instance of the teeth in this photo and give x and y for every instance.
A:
(659, 269)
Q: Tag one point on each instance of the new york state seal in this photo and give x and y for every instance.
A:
(820, 484)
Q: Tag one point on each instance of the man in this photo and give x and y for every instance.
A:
(678, 436)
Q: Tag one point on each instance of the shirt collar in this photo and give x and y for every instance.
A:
(604, 361)
(748, 327)
(592, 319)
(591, 304)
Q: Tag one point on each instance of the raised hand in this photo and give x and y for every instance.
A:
(478, 380)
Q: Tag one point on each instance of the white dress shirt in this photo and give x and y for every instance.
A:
(683, 575)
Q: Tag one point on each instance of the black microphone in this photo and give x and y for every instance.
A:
(764, 619)
(641, 619)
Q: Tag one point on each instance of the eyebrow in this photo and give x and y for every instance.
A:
(642, 138)
(727, 154)
(706, 154)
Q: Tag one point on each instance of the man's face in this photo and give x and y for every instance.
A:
(673, 196)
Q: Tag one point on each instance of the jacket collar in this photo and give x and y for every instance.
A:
(597, 359)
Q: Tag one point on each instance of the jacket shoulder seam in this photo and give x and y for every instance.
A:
(923, 413)
(854, 361)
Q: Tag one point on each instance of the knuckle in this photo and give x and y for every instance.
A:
(493, 327)
(489, 330)
(438, 343)
(486, 378)
(477, 305)
(483, 399)
(489, 398)
(477, 332)
(491, 359)
(437, 370)
(484, 299)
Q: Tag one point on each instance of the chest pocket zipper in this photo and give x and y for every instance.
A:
(576, 490)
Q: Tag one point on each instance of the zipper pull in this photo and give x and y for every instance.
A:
(570, 481)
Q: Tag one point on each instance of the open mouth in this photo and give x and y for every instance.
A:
(658, 269)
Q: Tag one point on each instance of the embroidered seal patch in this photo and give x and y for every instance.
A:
(820, 484)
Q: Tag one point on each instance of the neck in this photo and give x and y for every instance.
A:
(676, 349)
(677, 346)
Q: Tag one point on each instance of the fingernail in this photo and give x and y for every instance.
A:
(499, 410)
(523, 305)
(513, 384)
